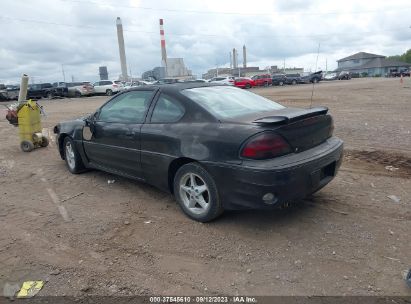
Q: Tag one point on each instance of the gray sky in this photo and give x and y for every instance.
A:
(38, 36)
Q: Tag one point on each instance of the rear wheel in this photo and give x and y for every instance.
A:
(315, 80)
(281, 83)
(77, 94)
(294, 82)
(27, 146)
(196, 193)
(247, 86)
(50, 95)
(72, 157)
(109, 92)
(44, 142)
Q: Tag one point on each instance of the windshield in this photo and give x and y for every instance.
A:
(229, 102)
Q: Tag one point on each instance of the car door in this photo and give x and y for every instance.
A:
(115, 141)
(160, 143)
(97, 87)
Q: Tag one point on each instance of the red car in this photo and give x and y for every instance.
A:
(244, 83)
(262, 80)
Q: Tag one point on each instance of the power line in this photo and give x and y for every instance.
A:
(237, 13)
(198, 34)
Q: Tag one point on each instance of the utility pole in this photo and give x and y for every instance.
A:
(64, 75)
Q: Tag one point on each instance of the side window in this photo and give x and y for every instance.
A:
(96, 84)
(129, 107)
(167, 110)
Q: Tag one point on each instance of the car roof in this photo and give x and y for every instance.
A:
(176, 87)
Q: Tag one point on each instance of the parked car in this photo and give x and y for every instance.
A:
(262, 80)
(196, 81)
(60, 89)
(244, 83)
(311, 77)
(344, 75)
(229, 80)
(399, 73)
(79, 89)
(214, 147)
(167, 81)
(40, 90)
(10, 92)
(279, 79)
(107, 87)
(292, 79)
(330, 76)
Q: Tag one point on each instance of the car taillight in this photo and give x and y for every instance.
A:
(265, 146)
(114, 85)
(84, 87)
(231, 80)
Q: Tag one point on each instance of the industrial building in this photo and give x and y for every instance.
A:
(170, 67)
(370, 64)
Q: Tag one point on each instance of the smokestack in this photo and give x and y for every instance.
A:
(234, 58)
(244, 57)
(163, 47)
(231, 60)
(121, 49)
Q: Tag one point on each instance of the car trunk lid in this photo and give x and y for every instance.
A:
(301, 128)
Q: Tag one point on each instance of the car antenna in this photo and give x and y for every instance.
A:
(316, 63)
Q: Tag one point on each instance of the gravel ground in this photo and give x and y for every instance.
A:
(127, 238)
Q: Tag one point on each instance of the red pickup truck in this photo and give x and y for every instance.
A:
(262, 80)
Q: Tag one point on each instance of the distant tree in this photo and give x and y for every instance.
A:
(406, 57)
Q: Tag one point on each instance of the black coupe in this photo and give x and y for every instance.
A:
(214, 147)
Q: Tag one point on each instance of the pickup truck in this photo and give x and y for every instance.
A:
(312, 77)
(45, 90)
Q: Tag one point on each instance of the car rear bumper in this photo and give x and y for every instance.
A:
(288, 178)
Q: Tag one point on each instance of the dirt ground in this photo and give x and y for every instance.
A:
(85, 236)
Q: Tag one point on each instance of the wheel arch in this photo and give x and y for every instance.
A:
(173, 168)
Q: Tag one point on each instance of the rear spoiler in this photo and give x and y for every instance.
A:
(289, 115)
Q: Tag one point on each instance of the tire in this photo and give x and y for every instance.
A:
(200, 201)
(72, 157)
(315, 80)
(26, 146)
(109, 92)
(247, 86)
(281, 83)
(266, 84)
(77, 94)
(294, 82)
(44, 142)
(50, 95)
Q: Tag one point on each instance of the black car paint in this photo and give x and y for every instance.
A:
(155, 151)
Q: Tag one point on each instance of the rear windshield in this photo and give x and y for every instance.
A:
(228, 102)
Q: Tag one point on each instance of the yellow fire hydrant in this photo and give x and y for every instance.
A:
(29, 124)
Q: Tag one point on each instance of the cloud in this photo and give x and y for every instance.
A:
(80, 35)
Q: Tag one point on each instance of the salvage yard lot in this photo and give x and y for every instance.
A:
(126, 238)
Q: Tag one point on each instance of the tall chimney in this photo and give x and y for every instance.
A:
(163, 47)
(121, 49)
(244, 57)
(234, 59)
(231, 60)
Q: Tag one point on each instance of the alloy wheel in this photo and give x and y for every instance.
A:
(194, 193)
(70, 157)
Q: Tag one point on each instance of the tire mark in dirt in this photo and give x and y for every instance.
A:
(401, 164)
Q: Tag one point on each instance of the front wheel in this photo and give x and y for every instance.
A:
(247, 86)
(294, 82)
(196, 193)
(281, 83)
(72, 157)
(109, 92)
